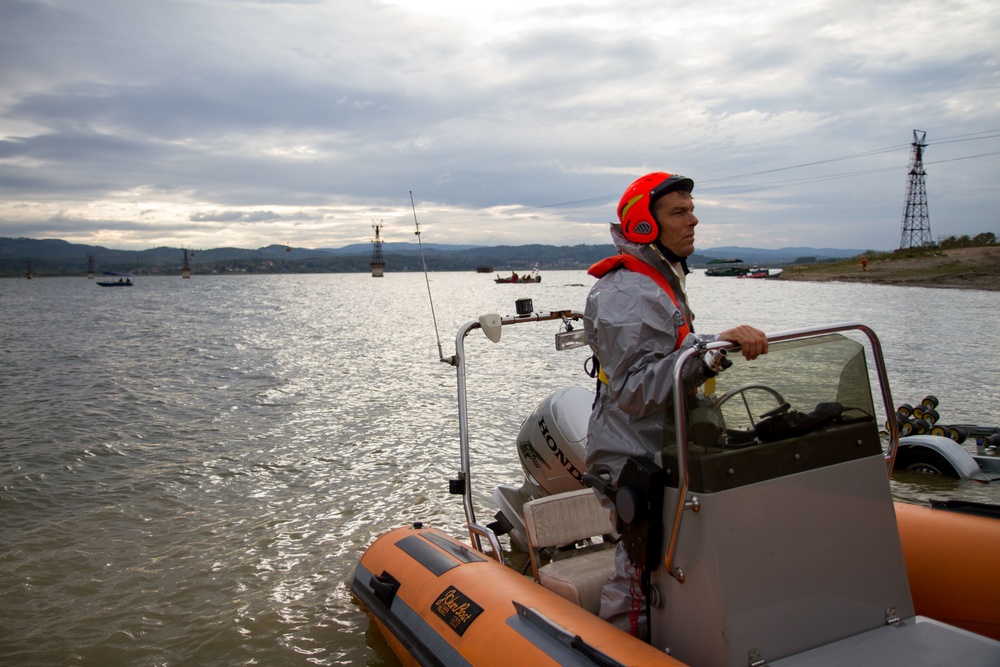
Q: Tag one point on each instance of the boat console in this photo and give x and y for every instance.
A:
(782, 534)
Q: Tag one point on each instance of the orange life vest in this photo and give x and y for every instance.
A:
(609, 264)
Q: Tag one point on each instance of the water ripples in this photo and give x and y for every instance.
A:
(189, 470)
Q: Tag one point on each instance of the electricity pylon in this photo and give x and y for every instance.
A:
(916, 221)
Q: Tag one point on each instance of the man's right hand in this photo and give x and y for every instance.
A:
(752, 342)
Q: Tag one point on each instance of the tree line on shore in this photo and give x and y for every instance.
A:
(946, 243)
(50, 257)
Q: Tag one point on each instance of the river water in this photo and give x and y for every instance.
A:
(190, 469)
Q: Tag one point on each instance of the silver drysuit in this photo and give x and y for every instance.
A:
(632, 325)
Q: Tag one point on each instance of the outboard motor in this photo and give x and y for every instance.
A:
(551, 441)
(550, 446)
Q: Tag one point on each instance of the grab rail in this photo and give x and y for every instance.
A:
(476, 530)
(680, 418)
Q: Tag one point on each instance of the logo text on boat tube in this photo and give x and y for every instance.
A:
(457, 610)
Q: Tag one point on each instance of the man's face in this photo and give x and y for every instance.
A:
(674, 212)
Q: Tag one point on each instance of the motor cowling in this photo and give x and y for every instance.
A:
(552, 439)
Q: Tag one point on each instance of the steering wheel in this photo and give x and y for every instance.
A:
(743, 389)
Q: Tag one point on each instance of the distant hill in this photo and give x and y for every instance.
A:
(53, 257)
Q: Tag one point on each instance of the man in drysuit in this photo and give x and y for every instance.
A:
(637, 320)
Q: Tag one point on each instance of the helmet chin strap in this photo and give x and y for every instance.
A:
(669, 256)
(673, 260)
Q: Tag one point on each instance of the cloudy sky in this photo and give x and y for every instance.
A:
(205, 123)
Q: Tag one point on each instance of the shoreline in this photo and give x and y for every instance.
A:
(957, 268)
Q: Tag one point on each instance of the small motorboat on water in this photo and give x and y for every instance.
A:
(516, 279)
(124, 279)
(758, 272)
(765, 535)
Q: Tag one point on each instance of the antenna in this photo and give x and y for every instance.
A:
(428, 281)
(916, 220)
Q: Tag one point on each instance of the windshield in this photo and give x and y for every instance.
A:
(805, 404)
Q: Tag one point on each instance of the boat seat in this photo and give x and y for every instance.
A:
(565, 519)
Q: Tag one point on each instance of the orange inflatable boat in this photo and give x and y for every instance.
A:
(951, 561)
(767, 532)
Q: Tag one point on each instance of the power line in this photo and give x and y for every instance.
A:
(967, 157)
(827, 177)
(804, 164)
(706, 184)
(797, 181)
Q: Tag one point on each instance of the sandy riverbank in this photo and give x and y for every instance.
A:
(959, 268)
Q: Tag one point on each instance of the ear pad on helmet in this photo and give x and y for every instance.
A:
(640, 228)
(638, 224)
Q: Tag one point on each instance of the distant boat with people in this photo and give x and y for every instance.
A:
(124, 279)
(514, 278)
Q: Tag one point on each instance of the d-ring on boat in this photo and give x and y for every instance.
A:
(767, 528)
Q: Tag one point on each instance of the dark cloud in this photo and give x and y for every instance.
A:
(512, 123)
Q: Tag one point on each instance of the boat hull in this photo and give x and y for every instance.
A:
(454, 606)
(437, 601)
(951, 562)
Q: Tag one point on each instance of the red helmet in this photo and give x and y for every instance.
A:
(635, 210)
